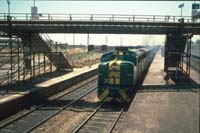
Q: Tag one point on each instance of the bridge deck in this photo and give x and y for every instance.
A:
(99, 23)
(161, 108)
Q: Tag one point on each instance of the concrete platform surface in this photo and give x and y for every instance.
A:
(40, 89)
(155, 75)
(46, 80)
(163, 112)
(162, 108)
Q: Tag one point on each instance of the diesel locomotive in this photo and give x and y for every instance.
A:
(121, 70)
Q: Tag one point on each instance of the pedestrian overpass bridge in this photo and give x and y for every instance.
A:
(98, 23)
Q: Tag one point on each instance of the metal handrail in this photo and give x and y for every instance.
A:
(96, 17)
(7, 60)
(45, 37)
(7, 76)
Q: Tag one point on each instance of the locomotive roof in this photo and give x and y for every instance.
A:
(137, 52)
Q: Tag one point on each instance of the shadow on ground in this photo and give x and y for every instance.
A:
(181, 83)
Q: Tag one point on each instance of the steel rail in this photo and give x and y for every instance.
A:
(46, 103)
(76, 130)
(61, 109)
(87, 119)
(116, 120)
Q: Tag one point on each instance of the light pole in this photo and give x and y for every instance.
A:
(8, 2)
(181, 6)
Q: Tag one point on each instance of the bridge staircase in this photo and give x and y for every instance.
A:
(177, 51)
(41, 43)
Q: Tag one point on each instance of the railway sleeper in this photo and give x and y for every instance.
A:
(98, 123)
(102, 119)
(92, 127)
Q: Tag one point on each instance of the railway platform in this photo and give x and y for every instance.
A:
(15, 98)
(163, 107)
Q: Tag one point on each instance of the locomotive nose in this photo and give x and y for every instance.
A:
(114, 73)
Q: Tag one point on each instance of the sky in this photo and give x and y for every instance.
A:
(98, 7)
(103, 7)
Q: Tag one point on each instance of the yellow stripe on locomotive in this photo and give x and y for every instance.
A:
(114, 72)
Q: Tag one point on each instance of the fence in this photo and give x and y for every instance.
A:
(96, 17)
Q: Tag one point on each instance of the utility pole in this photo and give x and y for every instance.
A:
(106, 40)
(64, 38)
(73, 40)
(121, 41)
(88, 38)
(56, 46)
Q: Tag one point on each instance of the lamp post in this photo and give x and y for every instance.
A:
(8, 2)
(181, 6)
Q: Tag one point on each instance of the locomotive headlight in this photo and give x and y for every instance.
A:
(114, 66)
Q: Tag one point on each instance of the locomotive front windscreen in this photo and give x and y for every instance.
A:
(108, 57)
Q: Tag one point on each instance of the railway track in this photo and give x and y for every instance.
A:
(103, 119)
(34, 118)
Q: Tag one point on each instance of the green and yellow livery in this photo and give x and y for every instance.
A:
(121, 70)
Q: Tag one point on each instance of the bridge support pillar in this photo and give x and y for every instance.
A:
(177, 56)
(27, 56)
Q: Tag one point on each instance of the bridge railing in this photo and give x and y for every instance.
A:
(96, 17)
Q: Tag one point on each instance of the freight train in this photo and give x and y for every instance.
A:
(121, 70)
